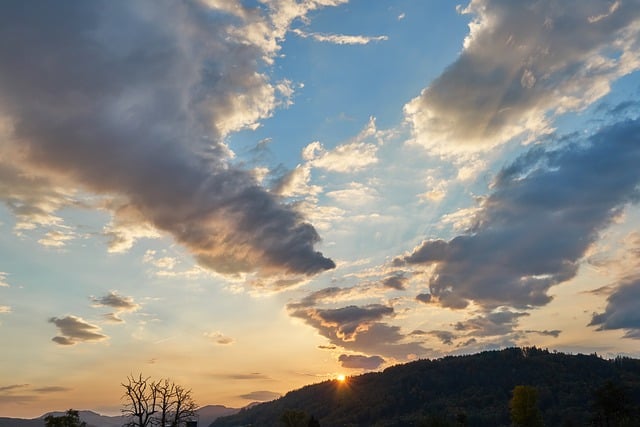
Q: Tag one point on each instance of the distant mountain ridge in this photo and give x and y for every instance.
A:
(472, 390)
(206, 415)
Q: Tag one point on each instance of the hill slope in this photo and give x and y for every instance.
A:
(464, 390)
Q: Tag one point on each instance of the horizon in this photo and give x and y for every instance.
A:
(249, 196)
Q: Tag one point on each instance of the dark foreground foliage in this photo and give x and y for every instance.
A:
(475, 390)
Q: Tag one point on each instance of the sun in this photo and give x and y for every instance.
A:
(341, 378)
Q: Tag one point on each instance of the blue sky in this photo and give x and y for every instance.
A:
(250, 196)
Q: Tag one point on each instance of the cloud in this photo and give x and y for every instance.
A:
(497, 323)
(113, 300)
(219, 338)
(354, 194)
(74, 329)
(621, 311)
(350, 157)
(340, 38)
(12, 387)
(396, 281)
(425, 298)
(296, 183)
(350, 320)
(120, 303)
(521, 63)
(545, 210)
(252, 376)
(26, 393)
(355, 328)
(56, 238)
(261, 396)
(51, 389)
(3, 280)
(327, 347)
(360, 362)
(133, 109)
(555, 333)
(445, 337)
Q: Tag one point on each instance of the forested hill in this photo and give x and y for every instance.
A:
(474, 390)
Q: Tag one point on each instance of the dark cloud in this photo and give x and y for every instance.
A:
(327, 347)
(397, 281)
(425, 298)
(497, 323)
(522, 62)
(360, 362)
(12, 387)
(113, 100)
(352, 319)
(445, 337)
(261, 396)
(74, 330)
(358, 329)
(112, 299)
(51, 389)
(545, 211)
(622, 310)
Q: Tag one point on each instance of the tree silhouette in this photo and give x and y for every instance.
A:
(611, 405)
(70, 419)
(524, 407)
(294, 418)
(162, 402)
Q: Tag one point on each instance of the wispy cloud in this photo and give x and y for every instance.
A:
(340, 38)
(261, 396)
(3, 280)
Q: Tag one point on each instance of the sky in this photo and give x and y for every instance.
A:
(251, 196)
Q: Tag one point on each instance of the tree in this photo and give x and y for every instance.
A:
(70, 419)
(162, 403)
(294, 418)
(611, 405)
(524, 407)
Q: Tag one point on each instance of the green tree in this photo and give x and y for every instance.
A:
(70, 419)
(524, 407)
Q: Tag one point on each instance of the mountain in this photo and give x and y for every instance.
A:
(206, 415)
(19, 422)
(472, 390)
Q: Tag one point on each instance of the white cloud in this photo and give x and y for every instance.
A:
(57, 238)
(521, 64)
(3, 280)
(355, 194)
(340, 38)
(353, 156)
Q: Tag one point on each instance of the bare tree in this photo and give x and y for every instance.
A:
(141, 400)
(185, 407)
(160, 403)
